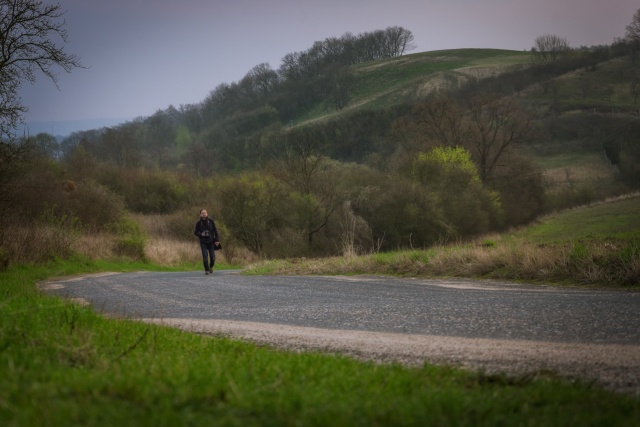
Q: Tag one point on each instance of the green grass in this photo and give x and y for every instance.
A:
(618, 220)
(605, 87)
(569, 160)
(62, 364)
(389, 82)
(394, 75)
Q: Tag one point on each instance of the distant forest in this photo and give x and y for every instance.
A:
(191, 134)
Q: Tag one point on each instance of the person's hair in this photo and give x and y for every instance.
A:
(203, 209)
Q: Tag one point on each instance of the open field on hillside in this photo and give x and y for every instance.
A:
(385, 83)
(604, 88)
(617, 220)
(578, 170)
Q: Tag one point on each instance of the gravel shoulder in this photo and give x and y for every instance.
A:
(612, 366)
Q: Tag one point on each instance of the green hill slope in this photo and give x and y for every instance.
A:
(617, 219)
(407, 79)
(566, 99)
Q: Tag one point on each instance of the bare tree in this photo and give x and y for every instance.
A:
(264, 78)
(28, 29)
(632, 35)
(633, 29)
(312, 177)
(26, 48)
(550, 47)
(496, 125)
(337, 84)
(440, 120)
(47, 145)
(251, 207)
(399, 41)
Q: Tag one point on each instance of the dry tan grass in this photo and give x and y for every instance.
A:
(565, 176)
(154, 225)
(37, 243)
(96, 246)
(170, 252)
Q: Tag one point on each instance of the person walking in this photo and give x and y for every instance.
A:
(207, 232)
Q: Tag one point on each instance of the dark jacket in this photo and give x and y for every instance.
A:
(207, 225)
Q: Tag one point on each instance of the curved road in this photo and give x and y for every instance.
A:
(505, 327)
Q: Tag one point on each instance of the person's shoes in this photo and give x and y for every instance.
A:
(206, 273)
(211, 270)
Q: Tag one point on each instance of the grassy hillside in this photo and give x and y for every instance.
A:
(617, 221)
(407, 79)
(571, 158)
(605, 87)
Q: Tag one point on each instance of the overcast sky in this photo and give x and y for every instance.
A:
(144, 55)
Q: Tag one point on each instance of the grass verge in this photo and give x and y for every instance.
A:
(63, 364)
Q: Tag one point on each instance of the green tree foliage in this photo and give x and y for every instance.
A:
(145, 191)
(316, 192)
(47, 145)
(251, 207)
(401, 213)
(336, 85)
(520, 185)
(182, 140)
(444, 166)
(467, 207)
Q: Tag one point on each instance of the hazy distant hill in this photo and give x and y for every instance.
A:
(64, 128)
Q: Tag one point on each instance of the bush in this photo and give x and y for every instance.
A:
(467, 206)
(95, 206)
(40, 187)
(401, 213)
(569, 197)
(145, 191)
(131, 238)
(521, 187)
(180, 224)
(50, 236)
(251, 206)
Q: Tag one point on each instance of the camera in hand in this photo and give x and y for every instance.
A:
(205, 233)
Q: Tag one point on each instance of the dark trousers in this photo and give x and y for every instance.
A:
(208, 255)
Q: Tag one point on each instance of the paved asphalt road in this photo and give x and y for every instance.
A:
(456, 308)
